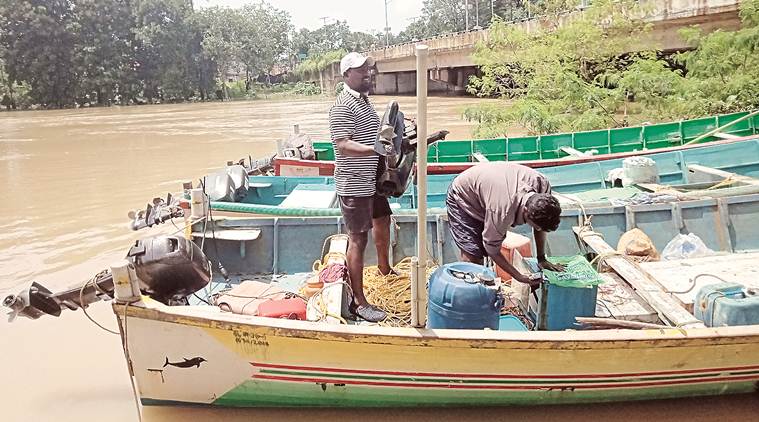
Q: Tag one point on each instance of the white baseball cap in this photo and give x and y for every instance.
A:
(353, 60)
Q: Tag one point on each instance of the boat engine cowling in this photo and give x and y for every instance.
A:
(396, 144)
(170, 268)
(228, 185)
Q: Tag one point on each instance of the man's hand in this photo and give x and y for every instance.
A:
(533, 280)
(544, 264)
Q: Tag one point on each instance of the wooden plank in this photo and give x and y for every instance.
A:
(697, 168)
(479, 157)
(648, 289)
(676, 275)
(619, 301)
(736, 189)
(573, 152)
(725, 136)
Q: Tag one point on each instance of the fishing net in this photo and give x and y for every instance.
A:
(578, 273)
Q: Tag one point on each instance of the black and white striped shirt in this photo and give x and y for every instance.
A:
(353, 117)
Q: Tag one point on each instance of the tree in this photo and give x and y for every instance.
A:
(104, 52)
(448, 16)
(164, 33)
(222, 40)
(264, 39)
(316, 64)
(561, 75)
(38, 42)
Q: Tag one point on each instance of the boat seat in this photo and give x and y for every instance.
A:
(311, 196)
(260, 185)
(231, 234)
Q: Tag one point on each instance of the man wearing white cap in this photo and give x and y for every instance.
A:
(354, 124)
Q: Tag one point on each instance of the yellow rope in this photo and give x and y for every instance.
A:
(726, 182)
(392, 292)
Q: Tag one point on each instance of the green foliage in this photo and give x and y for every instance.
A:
(38, 39)
(104, 50)
(441, 17)
(579, 76)
(68, 52)
(560, 73)
(319, 62)
(331, 37)
(305, 88)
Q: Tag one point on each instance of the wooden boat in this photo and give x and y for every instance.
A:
(315, 196)
(454, 156)
(201, 355)
(252, 361)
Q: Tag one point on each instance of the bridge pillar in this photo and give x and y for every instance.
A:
(386, 84)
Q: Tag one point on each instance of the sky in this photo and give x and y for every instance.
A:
(362, 15)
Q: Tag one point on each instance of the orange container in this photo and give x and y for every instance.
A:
(513, 242)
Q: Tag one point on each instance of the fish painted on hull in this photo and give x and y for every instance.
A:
(187, 363)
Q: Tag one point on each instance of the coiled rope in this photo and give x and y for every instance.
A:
(392, 292)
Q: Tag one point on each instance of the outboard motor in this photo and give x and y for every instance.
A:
(396, 144)
(228, 185)
(170, 268)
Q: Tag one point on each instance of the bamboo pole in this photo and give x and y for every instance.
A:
(419, 283)
(721, 128)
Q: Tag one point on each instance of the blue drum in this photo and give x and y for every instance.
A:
(463, 295)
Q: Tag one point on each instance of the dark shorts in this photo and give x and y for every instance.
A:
(358, 211)
(465, 229)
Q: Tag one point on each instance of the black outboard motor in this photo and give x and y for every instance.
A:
(170, 268)
(396, 144)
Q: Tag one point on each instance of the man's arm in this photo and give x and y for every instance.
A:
(350, 148)
(499, 260)
(540, 247)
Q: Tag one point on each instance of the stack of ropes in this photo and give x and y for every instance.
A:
(392, 292)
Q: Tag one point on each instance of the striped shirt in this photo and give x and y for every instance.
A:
(353, 117)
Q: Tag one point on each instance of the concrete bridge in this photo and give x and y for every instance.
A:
(450, 56)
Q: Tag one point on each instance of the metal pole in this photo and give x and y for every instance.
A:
(466, 14)
(492, 10)
(387, 27)
(477, 12)
(419, 284)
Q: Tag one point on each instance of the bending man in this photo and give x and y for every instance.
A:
(488, 199)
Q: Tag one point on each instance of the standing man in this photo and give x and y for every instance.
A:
(488, 199)
(354, 124)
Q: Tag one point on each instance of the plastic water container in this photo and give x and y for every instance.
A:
(513, 242)
(726, 304)
(463, 295)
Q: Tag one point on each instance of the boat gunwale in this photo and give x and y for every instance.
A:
(568, 209)
(455, 167)
(673, 336)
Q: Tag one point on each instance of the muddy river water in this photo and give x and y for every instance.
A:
(68, 179)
